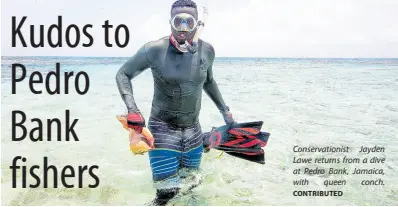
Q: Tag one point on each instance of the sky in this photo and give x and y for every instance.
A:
(245, 28)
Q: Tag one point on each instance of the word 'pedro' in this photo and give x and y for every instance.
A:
(36, 77)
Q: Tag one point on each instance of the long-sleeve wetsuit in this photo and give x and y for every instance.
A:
(178, 81)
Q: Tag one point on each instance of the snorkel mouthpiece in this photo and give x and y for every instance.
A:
(191, 48)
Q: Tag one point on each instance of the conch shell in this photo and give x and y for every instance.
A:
(139, 143)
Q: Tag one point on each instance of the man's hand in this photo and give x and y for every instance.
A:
(136, 121)
(228, 117)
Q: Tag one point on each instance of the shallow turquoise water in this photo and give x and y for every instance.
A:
(350, 102)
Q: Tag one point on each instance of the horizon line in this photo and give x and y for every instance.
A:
(262, 57)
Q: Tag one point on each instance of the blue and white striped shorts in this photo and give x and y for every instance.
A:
(175, 148)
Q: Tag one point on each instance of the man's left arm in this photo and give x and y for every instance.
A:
(211, 89)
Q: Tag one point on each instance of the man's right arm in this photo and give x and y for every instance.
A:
(132, 68)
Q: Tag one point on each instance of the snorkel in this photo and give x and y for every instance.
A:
(185, 24)
(201, 24)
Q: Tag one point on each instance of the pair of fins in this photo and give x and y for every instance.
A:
(242, 140)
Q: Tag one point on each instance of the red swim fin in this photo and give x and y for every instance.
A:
(242, 140)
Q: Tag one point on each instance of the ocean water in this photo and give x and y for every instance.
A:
(305, 102)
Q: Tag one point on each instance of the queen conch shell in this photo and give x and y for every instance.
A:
(139, 143)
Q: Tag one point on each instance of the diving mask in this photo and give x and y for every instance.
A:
(184, 22)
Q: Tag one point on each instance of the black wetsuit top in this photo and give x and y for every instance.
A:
(178, 81)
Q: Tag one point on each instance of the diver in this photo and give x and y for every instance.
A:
(180, 74)
(182, 67)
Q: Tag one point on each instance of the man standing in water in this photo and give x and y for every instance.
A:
(179, 77)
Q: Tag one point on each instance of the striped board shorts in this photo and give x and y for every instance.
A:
(175, 149)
